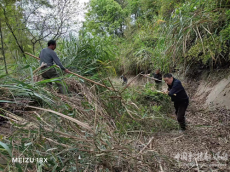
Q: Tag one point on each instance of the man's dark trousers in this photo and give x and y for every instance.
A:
(52, 73)
(180, 112)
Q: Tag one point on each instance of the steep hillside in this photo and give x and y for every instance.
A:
(153, 144)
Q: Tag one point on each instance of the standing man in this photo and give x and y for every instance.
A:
(180, 98)
(158, 79)
(48, 56)
(158, 82)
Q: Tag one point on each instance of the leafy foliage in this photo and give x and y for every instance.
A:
(167, 33)
(105, 17)
(118, 36)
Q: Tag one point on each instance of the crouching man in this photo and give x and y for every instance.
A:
(180, 98)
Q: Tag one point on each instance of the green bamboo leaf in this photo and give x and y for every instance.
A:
(47, 81)
(2, 76)
(6, 148)
(54, 169)
(19, 168)
(23, 83)
(5, 101)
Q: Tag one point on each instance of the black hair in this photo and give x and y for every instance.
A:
(167, 75)
(51, 42)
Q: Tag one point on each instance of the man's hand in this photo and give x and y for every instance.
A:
(43, 64)
(67, 71)
(166, 91)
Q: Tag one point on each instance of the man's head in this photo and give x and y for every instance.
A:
(52, 44)
(168, 78)
(157, 71)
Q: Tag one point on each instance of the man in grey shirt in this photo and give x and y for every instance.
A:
(48, 56)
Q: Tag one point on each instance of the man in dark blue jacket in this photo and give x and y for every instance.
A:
(178, 95)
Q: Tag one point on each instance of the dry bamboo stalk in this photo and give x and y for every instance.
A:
(60, 144)
(131, 114)
(42, 65)
(37, 69)
(111, 84)
(91, 81)
(20, 120)
(32, 56)
(84, 125)
(150, 141)
(151, 78)
(78, 75)
(200, 39)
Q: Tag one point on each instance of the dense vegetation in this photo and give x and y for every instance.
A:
(149, 34)
(137, 35)
(94, 128)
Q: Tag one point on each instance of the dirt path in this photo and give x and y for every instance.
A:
(205, 144)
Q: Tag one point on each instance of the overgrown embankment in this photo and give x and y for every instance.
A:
(98, 130)
(90, 129)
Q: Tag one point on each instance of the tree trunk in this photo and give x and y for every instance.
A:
(11, 30)
(3, 52)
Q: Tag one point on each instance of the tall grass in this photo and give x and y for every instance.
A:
(88, 55)
(97, 131)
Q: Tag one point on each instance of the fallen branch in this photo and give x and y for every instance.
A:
(111, 84)
(18, 120)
